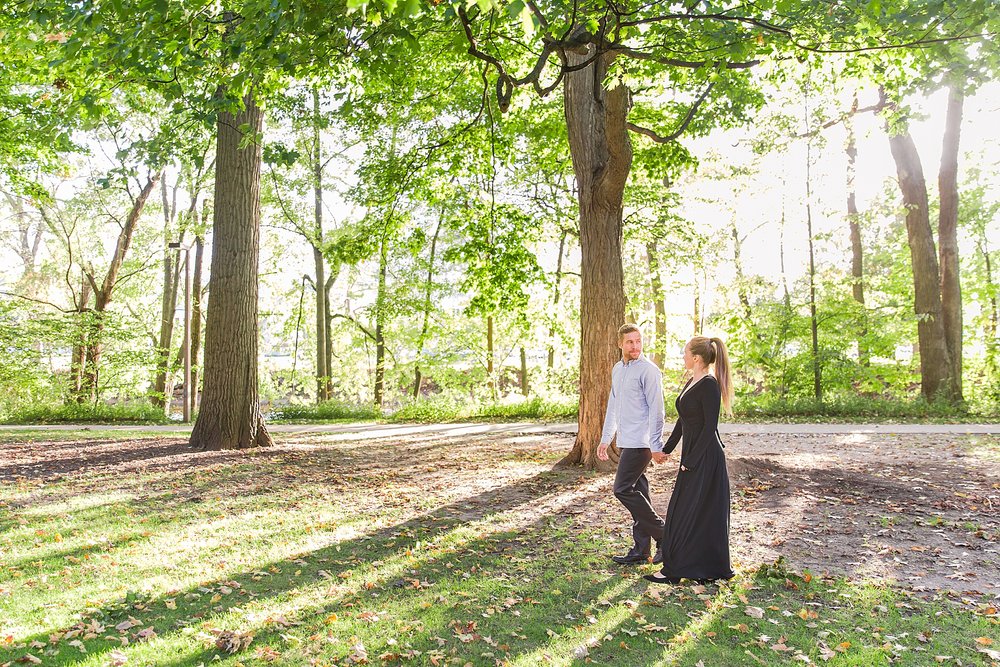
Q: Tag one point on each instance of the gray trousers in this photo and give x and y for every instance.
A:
(632, 489)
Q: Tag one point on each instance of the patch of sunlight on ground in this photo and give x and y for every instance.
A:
(573, 646)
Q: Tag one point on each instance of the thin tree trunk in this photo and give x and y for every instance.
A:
(813, 320)
(380, 320)
(328, 374)
(489, 346)
(857, 250)
(428, 288)
(230, 416)
(935, 364)
(322, 393)
(993, 325)
(555, 300)
(524, 372)
(659, 307)
(741, 284)
(162, 385)
(159, 397)
(79, 357)
(196, 297)
(104, 293)
(786, 298)
(696, 315)
(951, 287)
(602, 158)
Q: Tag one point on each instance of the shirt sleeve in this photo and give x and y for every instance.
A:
(654, 402)
(610, 416)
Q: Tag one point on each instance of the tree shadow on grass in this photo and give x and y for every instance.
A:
(337, 559)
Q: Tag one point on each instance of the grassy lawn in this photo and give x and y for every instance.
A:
(423, 552)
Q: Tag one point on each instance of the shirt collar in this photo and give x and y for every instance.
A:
(626, 364)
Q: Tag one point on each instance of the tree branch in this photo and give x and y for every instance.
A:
(684, 124)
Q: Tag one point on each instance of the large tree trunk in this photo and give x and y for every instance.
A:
(935, 364)
(230, 415)
(857, 250)
(602, 158)
(659, 307)
(951, 288)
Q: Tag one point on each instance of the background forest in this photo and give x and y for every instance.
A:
(420, 236)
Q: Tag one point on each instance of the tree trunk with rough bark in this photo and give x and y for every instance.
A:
(935, 364)
(230, 416)
(951, 287)
(596, 120)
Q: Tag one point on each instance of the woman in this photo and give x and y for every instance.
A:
(696, 535)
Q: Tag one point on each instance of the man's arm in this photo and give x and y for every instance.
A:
(610, 422)
(653, 389)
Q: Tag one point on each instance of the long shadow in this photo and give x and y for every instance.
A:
(494, 610)
(69, 458)
(334, 559)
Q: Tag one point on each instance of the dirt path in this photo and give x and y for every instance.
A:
(920, 509)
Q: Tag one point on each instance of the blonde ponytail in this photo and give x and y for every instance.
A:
(724, 374)
(713, 351)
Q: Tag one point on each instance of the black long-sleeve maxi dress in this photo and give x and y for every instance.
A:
(696, 535)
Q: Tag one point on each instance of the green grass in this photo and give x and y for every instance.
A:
(413, 556)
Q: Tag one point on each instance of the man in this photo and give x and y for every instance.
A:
(635, 414)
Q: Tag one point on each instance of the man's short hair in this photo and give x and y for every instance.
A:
(626, 329)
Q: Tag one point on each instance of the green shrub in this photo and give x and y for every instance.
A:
(89, 413)
(328, 410)
(844, 406)
(442, 409)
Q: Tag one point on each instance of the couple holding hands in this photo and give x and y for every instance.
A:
(692, 542)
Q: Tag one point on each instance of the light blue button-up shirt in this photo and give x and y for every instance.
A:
(635, 406)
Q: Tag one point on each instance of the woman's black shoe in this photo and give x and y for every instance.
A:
(658, 578)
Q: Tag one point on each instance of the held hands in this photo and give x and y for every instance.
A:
(658, 457)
